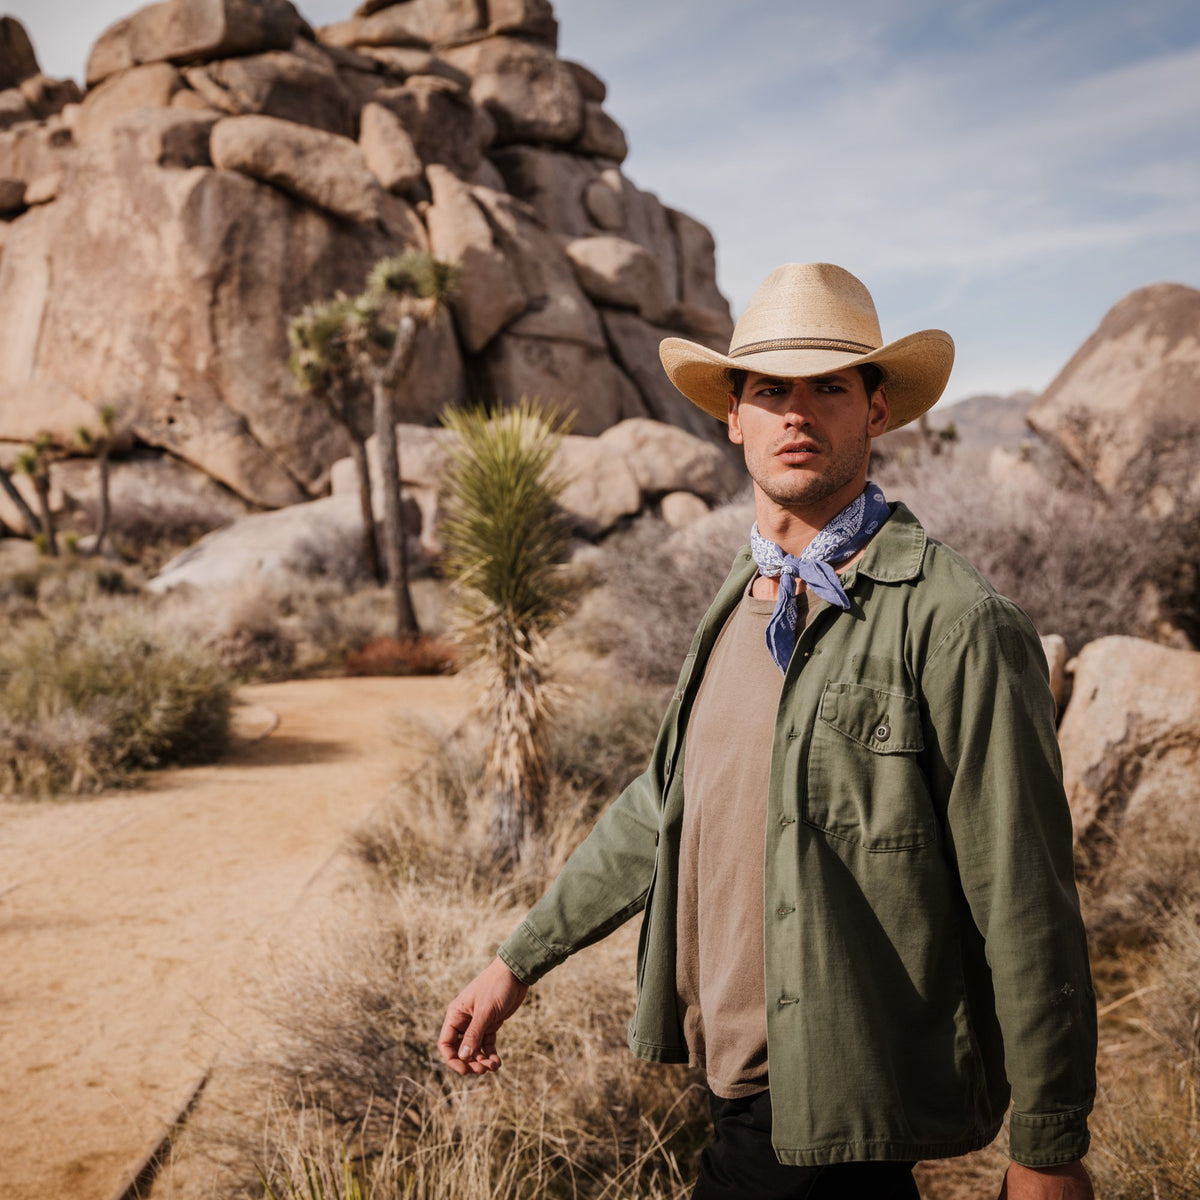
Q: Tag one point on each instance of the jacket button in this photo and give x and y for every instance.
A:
(882, 733)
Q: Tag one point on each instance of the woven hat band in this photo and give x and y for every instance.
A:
(801, 343)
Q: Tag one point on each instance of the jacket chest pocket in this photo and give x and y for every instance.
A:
(865, 784)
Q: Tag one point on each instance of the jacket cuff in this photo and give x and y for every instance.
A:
(1049, 1139)
(526, 955)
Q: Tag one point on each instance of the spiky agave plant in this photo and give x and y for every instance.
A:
(505, 540)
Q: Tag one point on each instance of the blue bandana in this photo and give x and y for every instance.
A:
(842, 538)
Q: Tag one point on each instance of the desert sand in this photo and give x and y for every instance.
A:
(133, 924)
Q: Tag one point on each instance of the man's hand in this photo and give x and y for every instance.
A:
(468, 1038)
(1068, 1182)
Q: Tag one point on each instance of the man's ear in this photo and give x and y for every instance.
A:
(879, 412)
(735, 428)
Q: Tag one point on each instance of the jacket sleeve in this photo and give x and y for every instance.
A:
(602, 884)
(998, 774)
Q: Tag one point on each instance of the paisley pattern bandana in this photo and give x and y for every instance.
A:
(842, 538)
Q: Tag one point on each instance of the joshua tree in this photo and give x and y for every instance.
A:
(34, 461)
(10, 490)
(403, 293)
(322, 363)
(99, 445)
(505, 540)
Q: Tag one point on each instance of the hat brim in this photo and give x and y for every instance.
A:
(916, 369)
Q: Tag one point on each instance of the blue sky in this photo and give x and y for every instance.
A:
(1001, 169)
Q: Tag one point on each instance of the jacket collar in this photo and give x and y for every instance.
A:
(896, 553)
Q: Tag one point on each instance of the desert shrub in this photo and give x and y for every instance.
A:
(1080, 562)
(1147, 1140)
(657, 584)
(87, 700)
(408, 656)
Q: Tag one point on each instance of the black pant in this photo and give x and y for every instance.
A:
(739, 1164)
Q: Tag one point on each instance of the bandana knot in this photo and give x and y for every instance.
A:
(842, 538)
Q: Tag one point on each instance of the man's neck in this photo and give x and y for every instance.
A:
(792, 527)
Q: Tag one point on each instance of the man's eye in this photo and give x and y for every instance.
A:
(830, 389)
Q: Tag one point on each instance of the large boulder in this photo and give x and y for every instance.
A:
(168, 293)
(665, 458)
(388, 148)
(322, 169)
(1131, 739)
(151, 86)
(531, 95)
(619, 273)
(555, 304)
(489, 294)
(302, 539)
(1131, 394)
(151, 495)
(410, 23)
(573, 378)
(635, 345)
(183, 31)
(304, 88)
(600, 135)
(35, 151)
(599, 487)
(18, 62)
(445, 126)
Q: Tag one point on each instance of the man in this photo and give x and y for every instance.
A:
(851, 846)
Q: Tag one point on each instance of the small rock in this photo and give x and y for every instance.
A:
(678, 509)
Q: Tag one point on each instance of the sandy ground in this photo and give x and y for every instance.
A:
(133, 924)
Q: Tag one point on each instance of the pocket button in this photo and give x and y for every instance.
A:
(882, 733)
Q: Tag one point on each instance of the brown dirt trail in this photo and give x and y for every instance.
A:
(131, 924)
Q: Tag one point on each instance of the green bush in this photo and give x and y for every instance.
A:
(86, 702)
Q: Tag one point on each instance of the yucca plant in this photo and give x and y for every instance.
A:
(505, 540)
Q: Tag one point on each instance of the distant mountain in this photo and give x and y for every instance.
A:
(985, 422)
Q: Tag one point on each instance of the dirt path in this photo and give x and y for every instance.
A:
(130, 924)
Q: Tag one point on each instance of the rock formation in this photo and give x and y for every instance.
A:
(1126, 408)
(633, 465)
(227, 164)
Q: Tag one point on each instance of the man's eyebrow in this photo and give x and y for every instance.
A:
(835, 377)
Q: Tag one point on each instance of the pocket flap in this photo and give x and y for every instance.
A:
(885, 722)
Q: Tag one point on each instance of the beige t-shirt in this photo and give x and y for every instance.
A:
(726, 771)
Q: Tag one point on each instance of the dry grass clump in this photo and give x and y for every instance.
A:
(656, 584)
(408, 656)
(1147, 1125)
(86, 699)
(280, 627)
(363, 1106)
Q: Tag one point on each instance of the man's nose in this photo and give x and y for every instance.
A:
(798, 409)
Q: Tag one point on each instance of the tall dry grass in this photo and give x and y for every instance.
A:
(359, 1103)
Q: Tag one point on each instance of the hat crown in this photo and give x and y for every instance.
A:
(808, 305)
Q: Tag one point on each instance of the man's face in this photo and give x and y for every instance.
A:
(807, 441)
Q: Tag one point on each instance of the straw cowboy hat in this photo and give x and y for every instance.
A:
(813, 319)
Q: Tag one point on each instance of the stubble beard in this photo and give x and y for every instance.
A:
(803, 488)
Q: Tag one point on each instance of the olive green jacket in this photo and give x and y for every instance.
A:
(923, 944)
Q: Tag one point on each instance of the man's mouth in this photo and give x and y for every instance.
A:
(798, 452)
